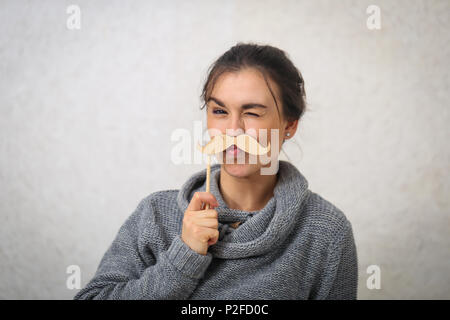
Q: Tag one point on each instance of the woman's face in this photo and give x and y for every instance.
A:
(241, 102)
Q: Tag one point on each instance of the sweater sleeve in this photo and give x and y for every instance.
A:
(129, 270)
(341, 276)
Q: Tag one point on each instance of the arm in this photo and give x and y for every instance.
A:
(126, 272)
(341, 277)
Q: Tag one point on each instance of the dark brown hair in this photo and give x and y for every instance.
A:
(270, 61)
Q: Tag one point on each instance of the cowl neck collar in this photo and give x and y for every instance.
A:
(260, 231)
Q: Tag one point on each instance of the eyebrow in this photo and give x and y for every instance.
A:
(244, 106)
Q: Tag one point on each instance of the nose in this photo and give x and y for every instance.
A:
(235, 126)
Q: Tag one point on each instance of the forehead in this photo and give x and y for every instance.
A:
(244, 86)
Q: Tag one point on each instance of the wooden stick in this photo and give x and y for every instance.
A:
(208, 173)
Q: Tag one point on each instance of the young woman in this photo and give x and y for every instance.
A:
(265, 236)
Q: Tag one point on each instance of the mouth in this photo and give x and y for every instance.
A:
(233, 151)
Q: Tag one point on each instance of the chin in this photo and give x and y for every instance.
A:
(240, 170)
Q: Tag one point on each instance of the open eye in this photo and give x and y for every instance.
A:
(219, 111)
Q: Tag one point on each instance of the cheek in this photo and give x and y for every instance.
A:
(275, 138)
(215, 125)
(210, 121)
(269, 135)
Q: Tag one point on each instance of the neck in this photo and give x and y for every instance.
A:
(248, 193)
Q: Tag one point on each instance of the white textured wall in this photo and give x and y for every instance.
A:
(83, 111)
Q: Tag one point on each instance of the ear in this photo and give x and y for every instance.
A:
(291, 127)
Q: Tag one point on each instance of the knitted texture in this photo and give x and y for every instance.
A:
(299, 246)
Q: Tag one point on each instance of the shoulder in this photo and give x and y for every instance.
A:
(324, 219)
(158, 199)
(155, 218)
(159, 209)
(162, 198)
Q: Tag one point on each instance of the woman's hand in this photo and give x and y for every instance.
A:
(200, 227)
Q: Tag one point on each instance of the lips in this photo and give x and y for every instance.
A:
(233, 150)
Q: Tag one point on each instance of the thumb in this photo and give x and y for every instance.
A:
(212, 241)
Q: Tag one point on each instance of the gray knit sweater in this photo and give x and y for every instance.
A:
(299, 246)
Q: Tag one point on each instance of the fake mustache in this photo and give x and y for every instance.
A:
(244, 142)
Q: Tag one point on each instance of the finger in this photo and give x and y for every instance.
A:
(213, 241)
(202, 197)
(196, 216)
(212, 234)
(202, 214)
(208, 223)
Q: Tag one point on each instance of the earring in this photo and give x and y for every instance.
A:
(287, 135)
